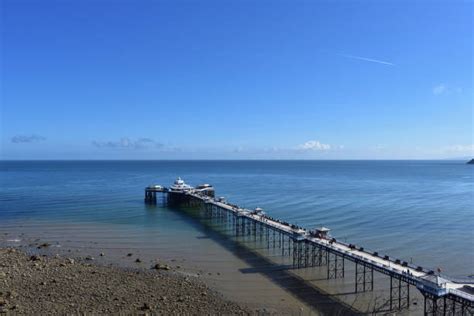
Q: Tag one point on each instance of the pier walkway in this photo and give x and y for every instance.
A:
(442, 296)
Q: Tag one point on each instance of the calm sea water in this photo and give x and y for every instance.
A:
(414, 210)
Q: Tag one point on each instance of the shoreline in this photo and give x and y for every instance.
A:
(43, 284)
(254, 292)
(244, 277)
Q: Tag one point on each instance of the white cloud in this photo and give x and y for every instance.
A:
(439, 89)
(126, 142)
(314, 145)
(445, 89)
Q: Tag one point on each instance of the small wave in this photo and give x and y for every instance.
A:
(13, 240)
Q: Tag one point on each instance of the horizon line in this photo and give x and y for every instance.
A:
(248, 159)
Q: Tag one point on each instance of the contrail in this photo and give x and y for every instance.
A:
(368, 59)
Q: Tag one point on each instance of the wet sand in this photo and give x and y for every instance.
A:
(218, 268)
(243, 270)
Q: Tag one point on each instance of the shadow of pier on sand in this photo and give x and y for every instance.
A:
(280, 274)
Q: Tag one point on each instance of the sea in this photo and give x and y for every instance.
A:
(419, 211)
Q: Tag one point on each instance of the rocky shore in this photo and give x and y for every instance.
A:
(40, 285)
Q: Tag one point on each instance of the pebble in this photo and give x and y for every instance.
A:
(89, 289)
(44, 245)
(35, 258)
(145, 307)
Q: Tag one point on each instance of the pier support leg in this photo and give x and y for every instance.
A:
(282, 240)
(335, 269)
(295, 254)
(307, 262)
(434, 305)
(298, 253)
(430, 305)
(150, 197)
(267, 236)
(364, 277)
(289, 245)
(301, 249)
(274, 238)
(318, 256)
(232, 224)
(242, 228)
(254, 231)
(399, 294)
(237, 225)
(322, 256)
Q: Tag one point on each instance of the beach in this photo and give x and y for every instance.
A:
(244, 278)
(54, 285)
(248, 278)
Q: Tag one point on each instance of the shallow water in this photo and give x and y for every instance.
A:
(419, 211)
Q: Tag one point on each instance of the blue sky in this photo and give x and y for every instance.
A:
(236, 79)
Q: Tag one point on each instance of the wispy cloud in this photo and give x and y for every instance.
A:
(126, 142)
(370, 60)
(444, 89)
(439, 89)
(18, 139)
(314, 145)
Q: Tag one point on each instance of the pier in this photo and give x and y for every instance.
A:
(316, 248)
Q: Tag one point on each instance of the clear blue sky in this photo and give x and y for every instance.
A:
(236, 79)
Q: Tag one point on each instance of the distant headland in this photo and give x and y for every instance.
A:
(470, 162)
